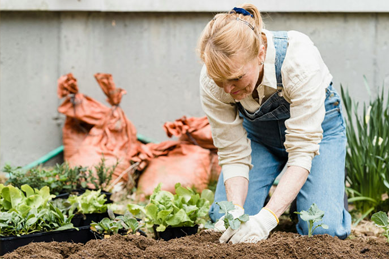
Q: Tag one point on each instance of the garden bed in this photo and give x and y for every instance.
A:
(206, 245)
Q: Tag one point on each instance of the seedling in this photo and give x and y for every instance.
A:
(113, 225)
(311, 216)
(382, 221)
(104, 174)
(229, 219)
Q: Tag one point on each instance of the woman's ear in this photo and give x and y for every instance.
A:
(261, 55)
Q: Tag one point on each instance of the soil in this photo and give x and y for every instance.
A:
(206, 245)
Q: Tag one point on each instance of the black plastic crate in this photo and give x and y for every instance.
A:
(82, 235)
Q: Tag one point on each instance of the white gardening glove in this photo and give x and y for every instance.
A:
(237, 212)
(255, 229)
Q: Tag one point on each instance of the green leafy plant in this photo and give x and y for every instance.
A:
(104, 174)
(229, 220)
(381, 220)
(183, 209)
(62, 178)
(311, 216)
(88, 203)
(27, 210)
(367, 154)
(113, 225)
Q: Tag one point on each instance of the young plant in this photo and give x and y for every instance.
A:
(113, 225)
(62, 178)
(104, 174)
(26, 210)
(88, 203)
(229, 220)
(311, 216)
(381, 220)
(183, 209)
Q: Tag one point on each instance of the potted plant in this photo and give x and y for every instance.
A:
(125, 224)
(172, 216)
(87, 207)
(26, 215)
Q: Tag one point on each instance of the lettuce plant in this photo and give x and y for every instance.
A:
(367, 153)
(381, 220)
(183, 209)
(113, 225)
(311, 216)
(88, 203)
(27, 210)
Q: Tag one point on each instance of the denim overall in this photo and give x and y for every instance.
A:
(266, 130)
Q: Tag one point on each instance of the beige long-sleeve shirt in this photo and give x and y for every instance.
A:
(305, 78)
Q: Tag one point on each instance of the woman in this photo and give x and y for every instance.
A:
(270, 102)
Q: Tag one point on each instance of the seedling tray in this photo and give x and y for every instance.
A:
(83, 235)
(80, 220)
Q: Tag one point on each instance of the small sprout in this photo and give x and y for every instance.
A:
(382, 221)
(112, 225)
(311, 216)
(229, 219)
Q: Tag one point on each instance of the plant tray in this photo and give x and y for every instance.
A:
(83, 235)
(175, 232)
(80, 220)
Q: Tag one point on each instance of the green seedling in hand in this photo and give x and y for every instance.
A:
(229, 220)
(311, 216)
(382, 221)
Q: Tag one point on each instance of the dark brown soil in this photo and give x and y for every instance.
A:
(206, 245)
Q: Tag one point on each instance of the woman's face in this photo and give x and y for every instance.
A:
(245, 83)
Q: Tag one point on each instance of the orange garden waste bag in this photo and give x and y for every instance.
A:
(92, 130)
(191, 130)
(198, 132)
(172, 162)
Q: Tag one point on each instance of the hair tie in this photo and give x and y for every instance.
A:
(242, 11)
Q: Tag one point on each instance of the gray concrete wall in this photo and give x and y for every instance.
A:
(152, 56)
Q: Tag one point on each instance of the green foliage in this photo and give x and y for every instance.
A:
(27, 210)
(112, 225)
(183, 209)
(381, 220)
(62, 178)
(311, 216)
(103, 173)
(88, 203)
(229, 220)
(367, 154)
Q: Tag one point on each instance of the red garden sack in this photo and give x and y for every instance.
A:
(172, 162)
(92, 130)
(191, 130)
(198, 132)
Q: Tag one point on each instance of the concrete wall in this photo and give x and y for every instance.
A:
(152, 56)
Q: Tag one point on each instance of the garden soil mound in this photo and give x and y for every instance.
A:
(206, 245)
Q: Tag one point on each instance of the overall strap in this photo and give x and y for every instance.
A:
(280, 39)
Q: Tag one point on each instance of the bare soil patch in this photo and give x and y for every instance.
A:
(206, 245)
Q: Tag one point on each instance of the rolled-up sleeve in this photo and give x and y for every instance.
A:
(228, 134)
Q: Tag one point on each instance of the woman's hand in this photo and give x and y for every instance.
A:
(255, 229)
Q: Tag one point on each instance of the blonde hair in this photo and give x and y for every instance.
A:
(228, 35)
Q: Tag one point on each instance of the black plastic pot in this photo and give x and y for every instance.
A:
(82, 235)
(175, 232)
(86, 219)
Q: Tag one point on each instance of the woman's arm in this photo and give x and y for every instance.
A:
(236, 188)
(288, 188)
